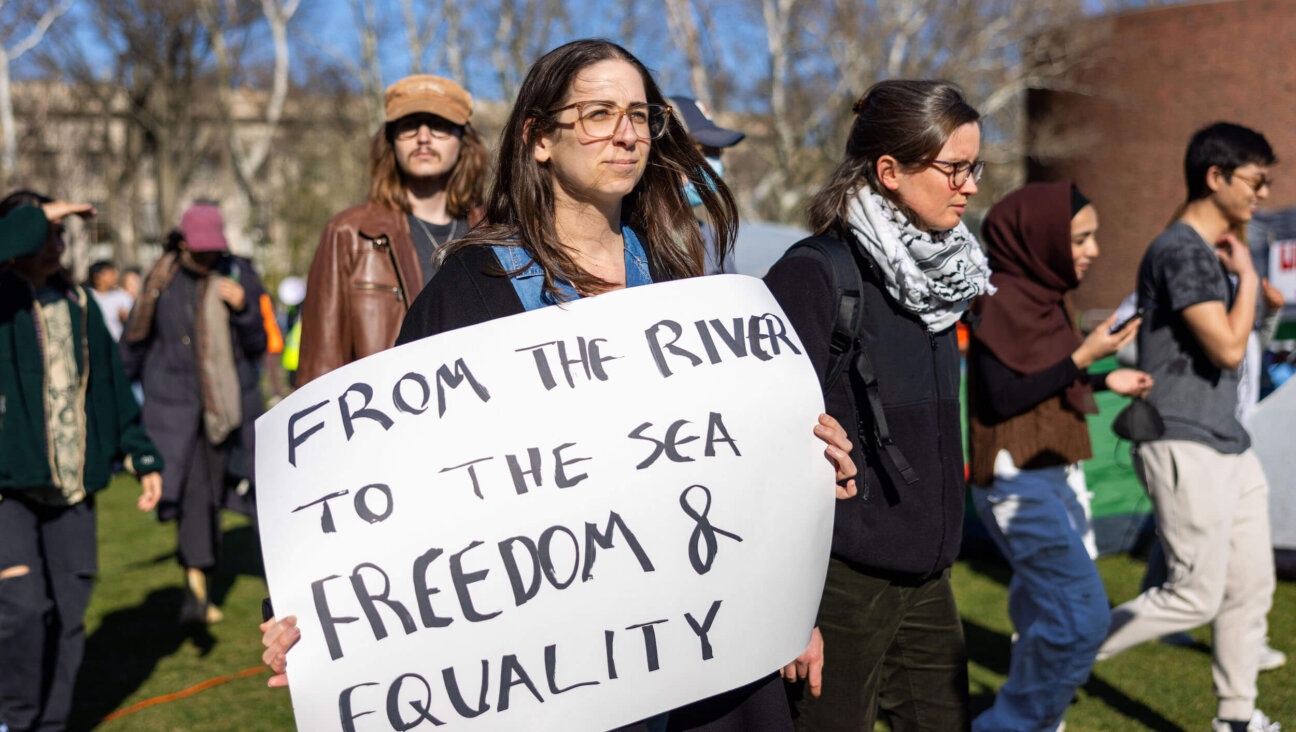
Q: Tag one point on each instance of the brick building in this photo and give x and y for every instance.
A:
(1150, 79)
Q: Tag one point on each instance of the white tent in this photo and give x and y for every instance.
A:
(1272, 429)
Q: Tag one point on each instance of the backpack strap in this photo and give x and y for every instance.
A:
(849, 286)
(844, 345)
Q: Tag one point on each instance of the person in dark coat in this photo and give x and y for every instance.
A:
(66, 414)
(194, 339)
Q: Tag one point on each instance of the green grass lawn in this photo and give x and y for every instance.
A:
(136, 651)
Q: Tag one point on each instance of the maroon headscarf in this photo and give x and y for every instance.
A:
(1027, 324)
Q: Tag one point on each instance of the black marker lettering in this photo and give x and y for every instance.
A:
(456, 697)
(560, 473)
(512, 674)
(658, 349)
(326, 518)
(393, 705)
(703, 629)
(472, 472)
(521, 594)
(369, 602)
(519, 475)
(734, 340)
(542, 364)
(329, 623)
(551, 673)
(424, 594)
(345, 715)
(546, 556)
(594, 538)
(444, 378)
(461, 582)
(294, 440)
(715, 424)
(650, 642)
(398, 397)
(364, 412)
(362, 504)
(704, 533)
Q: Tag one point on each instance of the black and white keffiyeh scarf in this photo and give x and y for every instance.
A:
(933, 275)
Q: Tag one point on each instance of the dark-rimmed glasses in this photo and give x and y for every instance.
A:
(1264, 181)
(407, 128)
(600, 120)
(958, 173)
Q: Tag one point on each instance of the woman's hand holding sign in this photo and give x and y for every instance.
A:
(838, 453)
(277, 637)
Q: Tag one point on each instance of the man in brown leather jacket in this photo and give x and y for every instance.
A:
(427, 174)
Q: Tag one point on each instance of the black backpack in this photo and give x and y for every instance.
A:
(844, 266)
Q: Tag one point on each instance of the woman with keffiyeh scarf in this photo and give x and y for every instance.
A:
(889, 635)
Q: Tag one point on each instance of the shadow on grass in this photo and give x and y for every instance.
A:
(1132, 709)
(989, 649)
(992, 650)
(124, 651)
(992, 567)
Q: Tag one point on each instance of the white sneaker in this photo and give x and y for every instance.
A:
(1259, 723)
(1271, 658)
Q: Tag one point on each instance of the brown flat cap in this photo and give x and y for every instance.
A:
(431, 94)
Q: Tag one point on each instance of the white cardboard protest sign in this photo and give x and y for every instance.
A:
(573, 518)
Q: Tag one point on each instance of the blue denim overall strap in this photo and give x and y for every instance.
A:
(528, 283)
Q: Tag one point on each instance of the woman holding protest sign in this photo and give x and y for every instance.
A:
(587, 200)
(875, 296)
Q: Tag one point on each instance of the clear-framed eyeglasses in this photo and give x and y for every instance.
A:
(958, 173)
(600, 120)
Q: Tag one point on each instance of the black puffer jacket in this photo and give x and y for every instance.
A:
(888, 528)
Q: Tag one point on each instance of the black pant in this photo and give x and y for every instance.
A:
(198, 522)
(42, 611)
(887, 644)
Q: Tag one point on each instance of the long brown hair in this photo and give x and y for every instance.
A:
(910, 120)
(464, 190)
(520, 206)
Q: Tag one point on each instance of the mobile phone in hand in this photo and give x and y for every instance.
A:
(1140, 313)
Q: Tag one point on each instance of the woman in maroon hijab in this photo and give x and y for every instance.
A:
(1029, 391)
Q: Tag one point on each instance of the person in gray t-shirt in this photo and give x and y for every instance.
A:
(1196, 398)
(1209, 493)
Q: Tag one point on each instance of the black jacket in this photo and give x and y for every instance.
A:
(889, 528)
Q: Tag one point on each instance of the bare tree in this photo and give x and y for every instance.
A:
(453, 45)
(419, 32)
(248, 148)
(155, 78)
(524, 32)
(681, 19)
(9, 54)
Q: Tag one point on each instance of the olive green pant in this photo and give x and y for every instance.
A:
(887, 645)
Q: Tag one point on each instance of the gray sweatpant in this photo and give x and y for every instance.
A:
(1212, 513)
